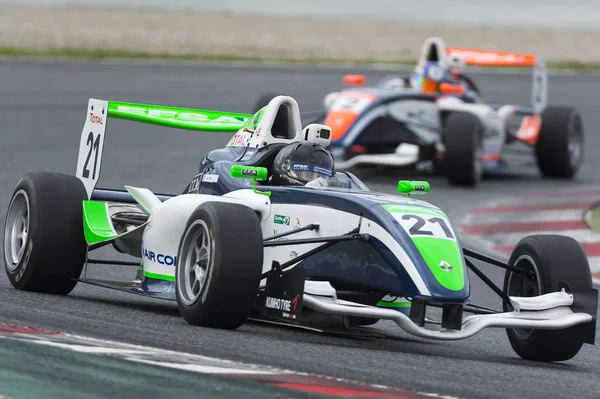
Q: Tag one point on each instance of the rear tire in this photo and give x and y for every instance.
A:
(44, 243)
(548, 256)
(222, 251)
(559, 150)
(462, 138)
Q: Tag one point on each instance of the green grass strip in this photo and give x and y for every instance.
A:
(124, 54)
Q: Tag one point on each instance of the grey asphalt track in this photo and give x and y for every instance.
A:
(42, 110)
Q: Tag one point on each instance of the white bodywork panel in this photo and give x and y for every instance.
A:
(167, 222)
(91, 144)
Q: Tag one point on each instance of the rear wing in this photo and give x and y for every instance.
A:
(502, 59)
(98, 112)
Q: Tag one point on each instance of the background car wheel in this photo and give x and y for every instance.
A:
(44, 243)
(219, 265)
(559, 150)
(263, 100)
(555, 260)
(462, 137)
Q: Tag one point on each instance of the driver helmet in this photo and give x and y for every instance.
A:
(455, 65)
(301, 162)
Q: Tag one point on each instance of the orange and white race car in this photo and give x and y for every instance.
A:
(436, 120)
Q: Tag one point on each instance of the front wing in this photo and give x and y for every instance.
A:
(549, 311)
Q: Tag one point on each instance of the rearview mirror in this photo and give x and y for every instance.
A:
(254, 173)
(249, 172)
(418, 187)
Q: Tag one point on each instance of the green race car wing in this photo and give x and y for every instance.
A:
(181, 118)
(91, 144)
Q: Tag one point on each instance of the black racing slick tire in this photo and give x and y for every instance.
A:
(462, 136)
(219, 265)
(559, 149)
(44, 242)
(556, 262)
(263, 101)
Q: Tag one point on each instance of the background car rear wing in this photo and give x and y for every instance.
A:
(486, 58)
(98, 112)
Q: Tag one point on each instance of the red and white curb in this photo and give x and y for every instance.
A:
(502, 223)
(292, 380)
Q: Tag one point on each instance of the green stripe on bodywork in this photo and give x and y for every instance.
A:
(97, 225)
(181, 118)
(159, 276)
(437, 250)
(395, 305)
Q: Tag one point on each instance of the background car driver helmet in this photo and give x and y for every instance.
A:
(300, 163)
(456, 65)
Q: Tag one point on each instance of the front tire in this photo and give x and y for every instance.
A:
(44, 243)
(462, 138)
(556, 260)
(219, 265)
(559, 150)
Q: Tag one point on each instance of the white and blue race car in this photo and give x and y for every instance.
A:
(436, 120)
(232, 246)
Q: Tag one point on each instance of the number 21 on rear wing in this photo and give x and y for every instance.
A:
(486, 58)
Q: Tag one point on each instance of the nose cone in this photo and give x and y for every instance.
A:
(444, 259)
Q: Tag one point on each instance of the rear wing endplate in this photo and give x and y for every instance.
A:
(502, 59)
(91, 145)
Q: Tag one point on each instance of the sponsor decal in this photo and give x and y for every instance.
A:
(184, 116)
(298, 224)
(275, 232)
(293, 254)
(279, 304)
(96, 119)
(284, 293)
(280, 219)
(159, 258)
(194, 185)
(249, 172)
(239, 140)
(300, 166)
(210, 178)
(445, 266)
(322, 171)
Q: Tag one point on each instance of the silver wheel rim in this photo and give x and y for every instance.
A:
(575, 142)
(519, 285)
(16, 230)
(195, 262)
